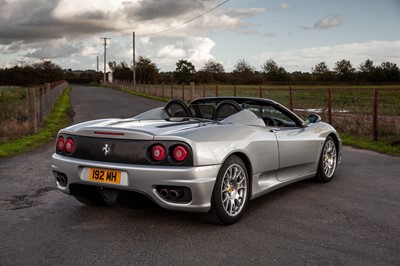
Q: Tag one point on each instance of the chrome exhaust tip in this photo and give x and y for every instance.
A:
(164, 192)
(175, 193)
(62, 179)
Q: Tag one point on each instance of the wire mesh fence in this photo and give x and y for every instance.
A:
(369, 112)
(23, 110)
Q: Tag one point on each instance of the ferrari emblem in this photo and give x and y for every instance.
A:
(106, 150)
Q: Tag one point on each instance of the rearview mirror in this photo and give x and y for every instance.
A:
(311, 119)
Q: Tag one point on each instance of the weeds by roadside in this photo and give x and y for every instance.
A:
(56, 120)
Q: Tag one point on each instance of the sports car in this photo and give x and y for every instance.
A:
(210, 157)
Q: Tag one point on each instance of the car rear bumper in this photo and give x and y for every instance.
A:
(144, 179)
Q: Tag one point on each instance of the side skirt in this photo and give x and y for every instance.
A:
(270, 184)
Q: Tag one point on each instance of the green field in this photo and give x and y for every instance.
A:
(357, 99)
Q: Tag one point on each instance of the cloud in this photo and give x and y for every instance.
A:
(39, 20)
(197, 50)
(171, 51)
(57, 29)
(285, 6)
(55, 49)
(156, 9)
(249, 32)
(200, 51)
(328, 22)
(304, 27)
(270, 34)
(356, 53)
(13, 47)
(246, 12)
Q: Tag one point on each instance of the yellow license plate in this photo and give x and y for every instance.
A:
(105, 175)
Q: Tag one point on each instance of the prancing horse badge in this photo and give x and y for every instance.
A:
(106, 150)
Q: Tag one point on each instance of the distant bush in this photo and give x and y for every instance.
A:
(39, 73)
(79, 80)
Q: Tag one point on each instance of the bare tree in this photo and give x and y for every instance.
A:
(321, 72)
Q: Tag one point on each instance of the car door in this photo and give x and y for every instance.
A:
(298, 146)
(298, 152)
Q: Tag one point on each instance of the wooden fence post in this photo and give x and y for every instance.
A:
(330, 106)
(47, 96)
(375, 118)
(191, 91)
(150, 89)
(183, 92)
(261, 92)
(204, 90)
(234, 90)
(290, 99)
(32, 110)
(42, 92)
(216, 90)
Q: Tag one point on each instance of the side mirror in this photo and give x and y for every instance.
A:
(311, 119)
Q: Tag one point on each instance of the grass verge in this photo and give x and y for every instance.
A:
(56, 120)
(142, 95)
(367, 144)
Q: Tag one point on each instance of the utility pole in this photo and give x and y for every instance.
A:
(97, 59)
(134, 63)
(105, 55)
(22, 61)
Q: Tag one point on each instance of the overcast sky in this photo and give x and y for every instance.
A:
(296, 34)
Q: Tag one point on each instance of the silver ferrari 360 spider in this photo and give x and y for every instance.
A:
(210, 157)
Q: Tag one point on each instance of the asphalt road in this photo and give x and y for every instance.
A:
(353, 220)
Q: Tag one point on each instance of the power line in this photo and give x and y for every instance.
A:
(186, 22)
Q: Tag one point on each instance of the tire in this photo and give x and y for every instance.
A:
(230, 195)
(99, 202)
(327, 162)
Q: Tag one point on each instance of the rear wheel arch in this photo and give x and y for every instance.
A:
(248, 165)
(231, 191)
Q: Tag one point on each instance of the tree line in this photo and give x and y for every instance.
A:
(212, 72)
(244, 73)
(31, 75)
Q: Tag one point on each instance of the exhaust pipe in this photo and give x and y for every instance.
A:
(164, 192)
(175, 193)
(62, 179)
(172, 193)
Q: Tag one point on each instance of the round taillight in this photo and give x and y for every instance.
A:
(180, 153)
(60, 144)
(158, 152)
(69, 145)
